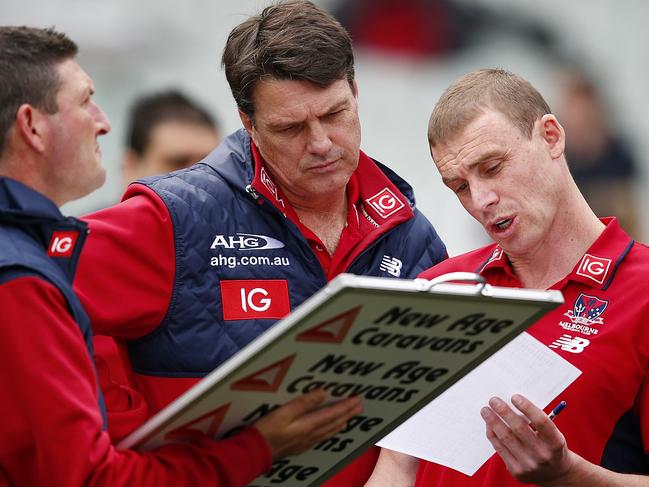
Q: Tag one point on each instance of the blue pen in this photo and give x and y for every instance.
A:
(555, 412)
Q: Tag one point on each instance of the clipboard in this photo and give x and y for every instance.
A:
(396, 343)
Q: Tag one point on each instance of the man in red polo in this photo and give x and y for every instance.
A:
(499, 148)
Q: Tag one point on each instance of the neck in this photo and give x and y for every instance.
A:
(326, 218)
(24, 168)
(573, 231)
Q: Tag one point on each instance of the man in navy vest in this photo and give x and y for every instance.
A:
(197, 263)
(53, 428)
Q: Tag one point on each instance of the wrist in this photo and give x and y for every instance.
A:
(573, 468)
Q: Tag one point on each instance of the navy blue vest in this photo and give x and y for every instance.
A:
(29, 225)
(212, 212)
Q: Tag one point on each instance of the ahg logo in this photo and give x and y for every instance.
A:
(62, 244)
(594, 268)
(254, 299)
(246, 241)
(385, 203)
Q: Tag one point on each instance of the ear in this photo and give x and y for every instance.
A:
(553, 134)
(249, 125)
(31, 127)
(355, 89)
(246, 121)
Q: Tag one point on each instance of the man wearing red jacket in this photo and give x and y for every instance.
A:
(53, 427)
(199, 262)
(497, 145)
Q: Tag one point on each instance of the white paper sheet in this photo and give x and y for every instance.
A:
(450, 430)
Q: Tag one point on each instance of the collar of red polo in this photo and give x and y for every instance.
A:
(598, 265)
(369, 191)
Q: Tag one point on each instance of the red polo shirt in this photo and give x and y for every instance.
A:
(601, 329)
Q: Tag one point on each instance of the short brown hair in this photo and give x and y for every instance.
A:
(149, 111)
(474, 92)
(289, 40)
(28, 60)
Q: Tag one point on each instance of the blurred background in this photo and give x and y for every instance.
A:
(588, 57)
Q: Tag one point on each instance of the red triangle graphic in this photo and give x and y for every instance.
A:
(208, 424)
(334, 330)
(267, 379)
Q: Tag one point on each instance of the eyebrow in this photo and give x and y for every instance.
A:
(275, 125)
(490, 154)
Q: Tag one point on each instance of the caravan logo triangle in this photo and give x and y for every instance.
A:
(333, 330)
(208, 424)
(267, 379)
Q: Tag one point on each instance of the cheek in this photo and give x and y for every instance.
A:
(466, 203)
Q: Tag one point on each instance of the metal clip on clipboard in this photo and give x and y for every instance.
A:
(482, 288)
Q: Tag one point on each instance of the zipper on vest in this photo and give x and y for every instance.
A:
(252, 192)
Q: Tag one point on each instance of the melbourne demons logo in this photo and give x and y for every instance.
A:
(385, 203)
(587, 310)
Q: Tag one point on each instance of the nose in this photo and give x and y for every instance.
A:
(101, 120)
(319, 142)
(483, 196)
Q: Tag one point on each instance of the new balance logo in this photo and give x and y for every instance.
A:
(571, 344)
(391, 265)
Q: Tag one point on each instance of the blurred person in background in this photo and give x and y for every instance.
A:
(166, 131)
(599, 159)
(53, 430)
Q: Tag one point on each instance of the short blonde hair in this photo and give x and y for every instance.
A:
(475, 92)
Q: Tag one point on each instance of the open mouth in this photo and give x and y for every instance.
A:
(503, 224)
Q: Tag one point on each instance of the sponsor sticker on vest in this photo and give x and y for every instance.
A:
(594, 268)
(246, 241)
(385, 202)
(254, 299)
(62, 244)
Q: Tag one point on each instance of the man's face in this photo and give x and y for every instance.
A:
(172, 145)
(73, 155)
(505, 180)
(308, 136)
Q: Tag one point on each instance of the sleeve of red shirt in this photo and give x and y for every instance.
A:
(52, 428)
(126, 270)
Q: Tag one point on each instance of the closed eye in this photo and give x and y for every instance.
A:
(494, 168)
(334, 114)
